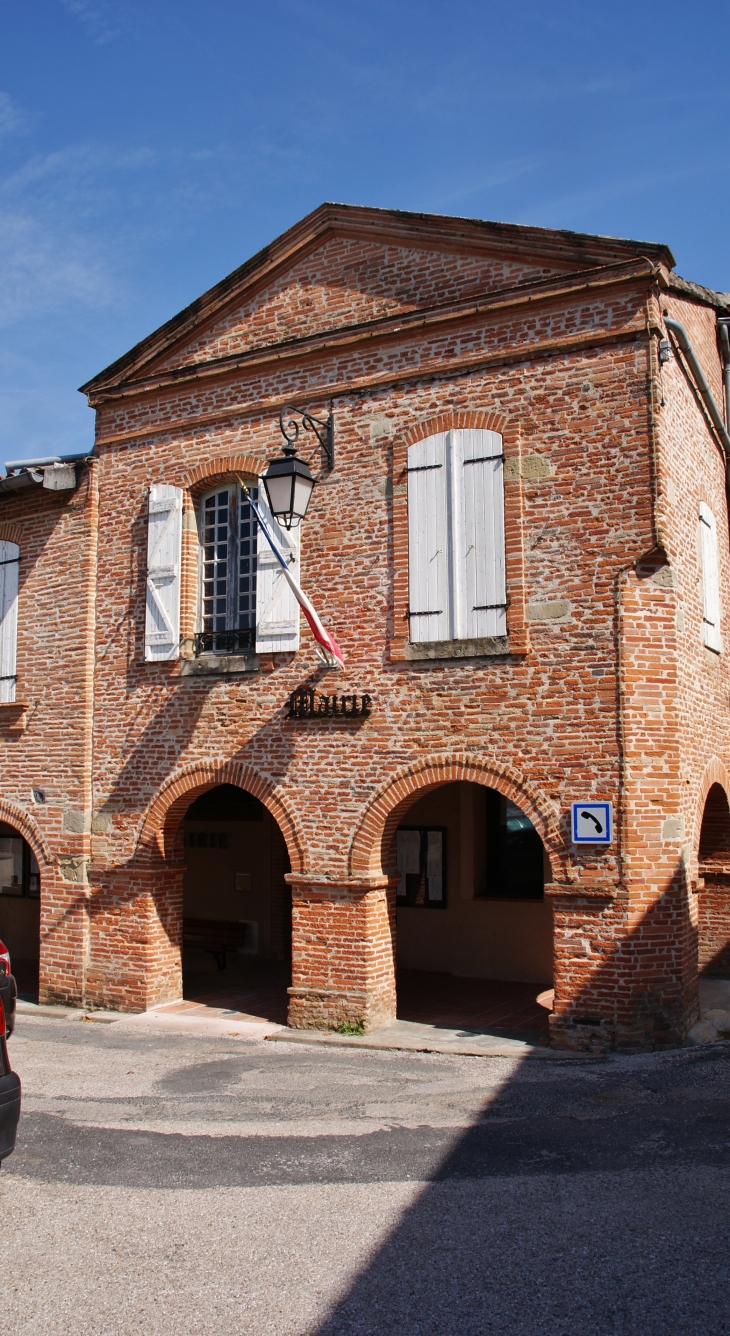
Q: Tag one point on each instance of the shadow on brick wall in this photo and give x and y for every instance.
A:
(155, 753)
(625, 981)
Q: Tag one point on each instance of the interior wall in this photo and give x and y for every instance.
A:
(20, 927)
(473, 936)
(20, 906)
(241, 882)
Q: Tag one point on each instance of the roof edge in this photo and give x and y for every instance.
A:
(330, 216)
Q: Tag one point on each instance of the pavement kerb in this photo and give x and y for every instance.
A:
(515, 1049)
(218, 1027)
(50, 1012)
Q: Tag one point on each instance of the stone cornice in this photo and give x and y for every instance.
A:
(329, 390)
(385, 329)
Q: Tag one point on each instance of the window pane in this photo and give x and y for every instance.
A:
(247, 549)
(216, 540)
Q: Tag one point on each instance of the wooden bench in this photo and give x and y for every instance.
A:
(216, 936)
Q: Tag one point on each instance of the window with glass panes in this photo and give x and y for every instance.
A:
(19, 871)
(229, 542)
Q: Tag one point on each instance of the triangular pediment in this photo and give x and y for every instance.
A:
(343, 266)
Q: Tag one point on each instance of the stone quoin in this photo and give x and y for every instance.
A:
(522, 551)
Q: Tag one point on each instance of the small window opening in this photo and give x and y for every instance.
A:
(229, 551)
(515, 856)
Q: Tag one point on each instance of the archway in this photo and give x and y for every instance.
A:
(20, 904)
(474, 930)
(713, 929)
(236, 905)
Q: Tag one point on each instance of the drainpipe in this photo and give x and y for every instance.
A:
(698, 374)
(725, 346)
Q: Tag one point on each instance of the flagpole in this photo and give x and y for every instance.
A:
(319, 631)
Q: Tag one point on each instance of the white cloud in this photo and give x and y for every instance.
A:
(43, 269)
(11, 120)
(103, 20)
(53, 252)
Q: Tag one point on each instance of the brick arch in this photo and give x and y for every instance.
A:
(167, 809)
(715, 774)
(205, 473)
(15, 816)
(377, 828)
(480, 419)
(12, 533)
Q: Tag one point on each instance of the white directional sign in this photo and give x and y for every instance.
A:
(591, 823)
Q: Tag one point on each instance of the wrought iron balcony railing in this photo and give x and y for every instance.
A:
(225, 642)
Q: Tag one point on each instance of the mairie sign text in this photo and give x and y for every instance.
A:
(305, 703)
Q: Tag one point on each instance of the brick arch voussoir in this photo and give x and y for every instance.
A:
(715, 772)
(205, 473)
(11, 533)
(13, 815)
(377, 827)
(164, 814)
(481, 419)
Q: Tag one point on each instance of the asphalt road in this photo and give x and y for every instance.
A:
(176, 1184)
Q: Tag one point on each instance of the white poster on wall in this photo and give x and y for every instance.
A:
(409, 852)
(434, 865)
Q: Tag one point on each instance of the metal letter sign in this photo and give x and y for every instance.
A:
(591, 823)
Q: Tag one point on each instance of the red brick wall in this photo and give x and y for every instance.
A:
(47, 745)
(614, 697)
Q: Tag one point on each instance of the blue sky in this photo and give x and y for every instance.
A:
(147, 147)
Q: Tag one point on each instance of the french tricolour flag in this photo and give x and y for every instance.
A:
(321, 635)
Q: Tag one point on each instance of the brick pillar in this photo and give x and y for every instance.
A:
(624, 974)
(343, 953)
(64, 939)
(136, 938)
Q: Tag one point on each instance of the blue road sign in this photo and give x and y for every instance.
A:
(591, 823)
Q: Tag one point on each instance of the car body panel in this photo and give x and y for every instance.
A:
(10, 1096)
(8, 995)
(10, 1091)
(8, 990)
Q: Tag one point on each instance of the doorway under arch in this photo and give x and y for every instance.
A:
(474, 930)
(236, 905)
(713, 928)
(20, 906)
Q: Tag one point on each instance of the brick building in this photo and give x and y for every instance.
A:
(522, 549)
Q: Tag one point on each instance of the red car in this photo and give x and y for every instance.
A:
(8, 990)
(9, 1096)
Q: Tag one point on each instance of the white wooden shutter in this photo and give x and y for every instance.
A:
(456, 556)
(479, 542)
(277, 610)
(710, 579)
(429, 558)
(9, 563)
(164, 539)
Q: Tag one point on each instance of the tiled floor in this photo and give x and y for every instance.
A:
(444, 999)
(258, 992)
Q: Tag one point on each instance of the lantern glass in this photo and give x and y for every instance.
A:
(280, 494)
(302, 492)
(289, 485)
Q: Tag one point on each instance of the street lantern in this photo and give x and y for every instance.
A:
(288, 479)
(288, 482)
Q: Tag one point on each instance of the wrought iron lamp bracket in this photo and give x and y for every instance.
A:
(324, 431)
